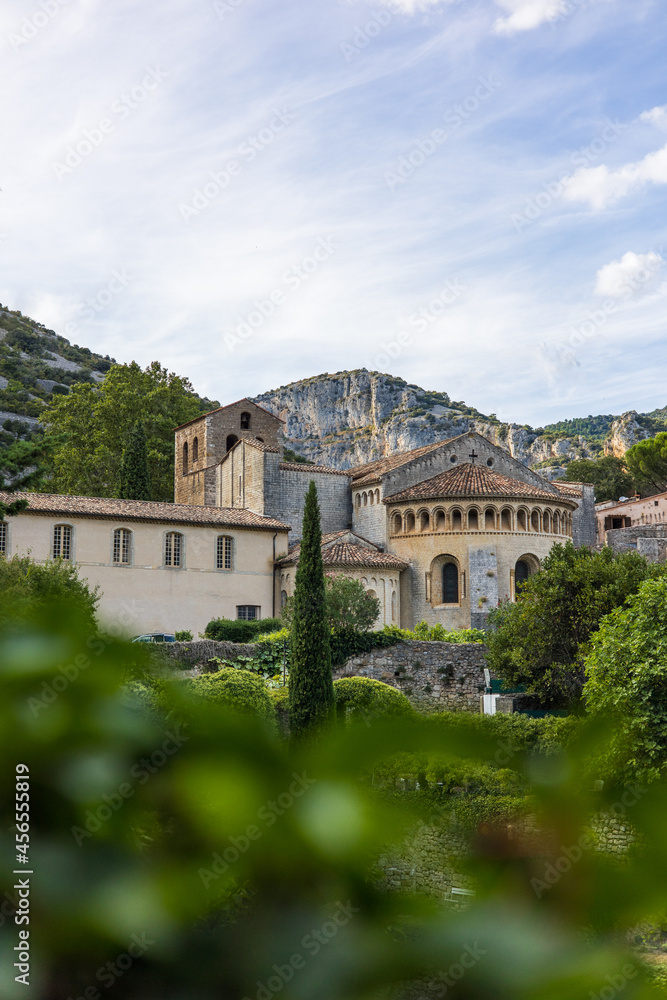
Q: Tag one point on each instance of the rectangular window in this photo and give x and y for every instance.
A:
(248, 612)
(62, 541)
(223, 557)
(3, 538)
(121, 547)
(173, 549)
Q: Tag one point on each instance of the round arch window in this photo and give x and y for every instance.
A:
(521, 574)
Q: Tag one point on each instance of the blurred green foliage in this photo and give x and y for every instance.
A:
(215, 859)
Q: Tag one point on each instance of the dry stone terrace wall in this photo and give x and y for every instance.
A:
(435, 676)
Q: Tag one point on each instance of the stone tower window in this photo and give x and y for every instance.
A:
(245, 421)
(450, 584)
(231, 441)
(195, 449)
(185, 457)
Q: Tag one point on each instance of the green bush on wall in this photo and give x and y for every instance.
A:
(238, 691)
(362, 696)
(230, 630)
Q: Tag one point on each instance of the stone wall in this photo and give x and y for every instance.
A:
(198, 653)
(584, 528)
(649, 540)
(435, 676)
(333, 493)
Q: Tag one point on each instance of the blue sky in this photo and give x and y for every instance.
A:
(470, 195)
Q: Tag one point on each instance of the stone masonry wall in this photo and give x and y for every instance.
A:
(333, 494)
(435, 676)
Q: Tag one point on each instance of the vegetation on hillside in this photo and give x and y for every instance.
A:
(609, 475)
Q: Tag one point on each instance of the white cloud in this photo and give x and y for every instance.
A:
(633, 272)
(601, 186)
(656, 116)
(524, 15)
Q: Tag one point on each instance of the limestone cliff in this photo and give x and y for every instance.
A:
(354, 417)
(625, 431)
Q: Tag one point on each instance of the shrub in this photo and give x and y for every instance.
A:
(185, 635)
(237, 690)
(231, 630)
(28, 587)
(361, 696)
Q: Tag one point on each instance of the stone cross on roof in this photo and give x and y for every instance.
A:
(473, 456)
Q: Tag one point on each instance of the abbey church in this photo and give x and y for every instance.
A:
(441, 533)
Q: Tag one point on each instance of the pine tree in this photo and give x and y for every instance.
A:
(134, 477)
(311, 694)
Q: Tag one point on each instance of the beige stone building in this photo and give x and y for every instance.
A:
(160, 567)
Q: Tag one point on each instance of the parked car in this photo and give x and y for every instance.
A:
(156, 637)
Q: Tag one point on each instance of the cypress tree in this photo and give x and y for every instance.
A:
(134, 476)
(311, 694)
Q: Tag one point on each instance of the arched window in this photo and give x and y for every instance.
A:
(365, 498)
(556, 523)
(122, 547)
(4, 534)
(521, 521)
(377, 496)
(456, 520)
(546, 520)
(62, 541)
(371, 497)
(358, 499)
(440, 521)
(245, 421)
(393, 605)
(195, 450)
(231, 441)
(506, 519)
(490, 519)
(396, 524)
(283, 598)
(521, 574)
(258, 438)
(409, 521)
(173, 549)
(450, 584)
(473, 520)
(535, 521)
(224, 552)
(424, 521)
(185, 457)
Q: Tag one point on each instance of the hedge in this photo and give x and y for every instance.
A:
(369, 699)
(238, 690)
(236, 630)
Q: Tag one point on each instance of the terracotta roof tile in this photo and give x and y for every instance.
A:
(469, 480)
(109, 508)
(304, 467)
(568, 489)
(338, 550)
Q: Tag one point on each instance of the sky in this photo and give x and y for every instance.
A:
(468, 195)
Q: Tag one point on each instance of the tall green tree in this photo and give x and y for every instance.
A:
(627, 684)
(609, 476)
(21, 468)
(134, 475)
(95, 423)
(540, 641)
(647, 462)
(311, 694)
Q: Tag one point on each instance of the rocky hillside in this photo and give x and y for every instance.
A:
(354, 417)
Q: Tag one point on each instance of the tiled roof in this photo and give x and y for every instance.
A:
(339, 550)
(304, 467)
(219, 409)
(108, 508)
(568, 489)
(372, 471)
(469, 480)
